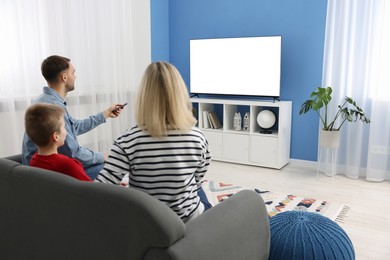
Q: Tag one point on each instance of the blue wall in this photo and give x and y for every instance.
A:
(300, 22)
(159, 13)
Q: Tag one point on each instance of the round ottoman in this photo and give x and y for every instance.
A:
(304, 235)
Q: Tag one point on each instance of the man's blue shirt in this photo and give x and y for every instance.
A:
(73, 127)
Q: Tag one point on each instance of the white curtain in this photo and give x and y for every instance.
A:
(107, 41)
(357, 64)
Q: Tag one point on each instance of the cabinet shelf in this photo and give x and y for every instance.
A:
(246, 146)
(272, 135)
(212, 130)
(239, 132)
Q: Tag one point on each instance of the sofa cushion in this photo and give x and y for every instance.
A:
(53, 216)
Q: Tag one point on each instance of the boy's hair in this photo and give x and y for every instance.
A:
(41, 121)
(163, 102)
(52, 67)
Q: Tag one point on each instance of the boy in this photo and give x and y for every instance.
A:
(45, 126)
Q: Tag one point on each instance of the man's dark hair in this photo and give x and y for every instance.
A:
(52, 67)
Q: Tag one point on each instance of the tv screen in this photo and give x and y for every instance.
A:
(236, 66)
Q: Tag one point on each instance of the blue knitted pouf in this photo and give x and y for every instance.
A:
(305, 235)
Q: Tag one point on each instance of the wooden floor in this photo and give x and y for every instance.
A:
(367, 222)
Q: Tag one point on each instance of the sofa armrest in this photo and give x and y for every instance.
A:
(16, 158)
(237, 228)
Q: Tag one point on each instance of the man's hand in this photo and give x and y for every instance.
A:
(113, 111)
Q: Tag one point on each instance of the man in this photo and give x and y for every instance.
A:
(60, 76)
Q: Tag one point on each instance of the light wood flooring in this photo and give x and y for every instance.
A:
(367, 222)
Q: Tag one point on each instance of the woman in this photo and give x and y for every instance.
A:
(164, 155)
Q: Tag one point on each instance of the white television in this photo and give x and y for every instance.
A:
(248, 66)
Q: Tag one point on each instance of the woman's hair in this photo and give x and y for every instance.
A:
(41, 121)
(52, 67)
(163, 102)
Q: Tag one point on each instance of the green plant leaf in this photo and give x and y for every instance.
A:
(320, 99)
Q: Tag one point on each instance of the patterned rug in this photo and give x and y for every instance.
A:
(277, 202)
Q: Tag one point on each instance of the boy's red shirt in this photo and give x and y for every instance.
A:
(60, 163)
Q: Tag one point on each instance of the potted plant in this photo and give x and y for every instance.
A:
(348, 111)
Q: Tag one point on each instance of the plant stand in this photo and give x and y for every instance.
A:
(333, 160)
(329, 140)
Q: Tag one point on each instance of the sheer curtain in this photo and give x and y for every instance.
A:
(356, 64)
(107, 41)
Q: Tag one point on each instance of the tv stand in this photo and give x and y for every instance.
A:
(252, 146)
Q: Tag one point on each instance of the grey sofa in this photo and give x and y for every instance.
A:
(48, 215)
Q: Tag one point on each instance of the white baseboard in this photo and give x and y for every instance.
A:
(341, 169)
(303, 163)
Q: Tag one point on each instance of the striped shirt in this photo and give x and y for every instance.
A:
(170, 168)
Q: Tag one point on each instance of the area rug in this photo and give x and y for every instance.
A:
(278, 202)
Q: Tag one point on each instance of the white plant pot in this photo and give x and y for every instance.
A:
(329, 139)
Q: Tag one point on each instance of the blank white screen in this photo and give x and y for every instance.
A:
(236, 66)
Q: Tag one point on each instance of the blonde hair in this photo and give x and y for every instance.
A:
(163, 101)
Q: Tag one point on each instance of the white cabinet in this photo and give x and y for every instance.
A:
(236, 147)
(216, 143)
(250, 146)
(264, 150)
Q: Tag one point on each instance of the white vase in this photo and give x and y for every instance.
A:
(329, 139)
